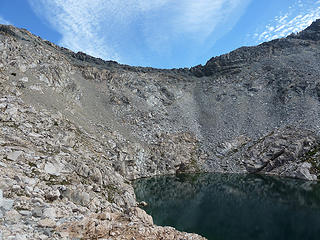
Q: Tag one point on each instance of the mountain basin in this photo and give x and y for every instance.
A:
(234, 206)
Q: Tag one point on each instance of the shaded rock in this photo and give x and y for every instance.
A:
(52, 195)
(96, 175)
(37, 212)
(142, 204)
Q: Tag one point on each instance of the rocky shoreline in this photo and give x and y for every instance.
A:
(76, 130)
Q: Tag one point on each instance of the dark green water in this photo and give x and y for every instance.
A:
(231, 206)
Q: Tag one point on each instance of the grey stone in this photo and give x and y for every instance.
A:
(12, 216)
(25, 213)
(84, 170)
(49, 213)
(2, 164)
(96, 175)
(24, 79)
(46, 223)
(37, 212)
(21, 237)
(6, 204)
(77, 197)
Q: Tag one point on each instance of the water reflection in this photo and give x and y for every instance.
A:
(231, 206)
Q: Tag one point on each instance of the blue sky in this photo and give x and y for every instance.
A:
(159, 33)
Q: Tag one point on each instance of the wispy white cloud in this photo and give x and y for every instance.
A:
(4, 21)
(203, 16)
(194, 21)
(78, 22)
(100, 27)
(299, 16)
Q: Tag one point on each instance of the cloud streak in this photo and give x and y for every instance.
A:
(104, 28)
(299, 16)
(78, 22)
(4, 21)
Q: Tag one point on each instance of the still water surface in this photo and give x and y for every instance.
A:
(231, 206)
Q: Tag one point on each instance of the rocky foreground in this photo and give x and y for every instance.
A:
(76, 130)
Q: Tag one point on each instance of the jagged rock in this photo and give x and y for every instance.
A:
(282, 151)
(142, 215)
(303, 172)
(52, 168)
(84, 170)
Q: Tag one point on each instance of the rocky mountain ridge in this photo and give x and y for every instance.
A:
(75, 130)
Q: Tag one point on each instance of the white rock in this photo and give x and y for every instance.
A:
(2, 164)
(7, 204)
(28, 189)
(44, 79)
(12, 110)
(22, 68)
(49, 213)
(13, 156)
(13, 216)
(21, 237)
(25, 213)
(53, 169)
(47, 222)
(30, 181)
(3, 105)
(304, 173)
(24, 79)
(32, 65)
(35, 88)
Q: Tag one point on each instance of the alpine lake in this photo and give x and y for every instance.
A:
(233, 206)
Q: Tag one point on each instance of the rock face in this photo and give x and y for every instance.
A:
(75, 130)
(283, 153)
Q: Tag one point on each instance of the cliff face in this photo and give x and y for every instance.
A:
(252, 91)
(71, 119)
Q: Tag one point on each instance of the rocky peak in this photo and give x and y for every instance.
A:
(310, 33)
(231, 63)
